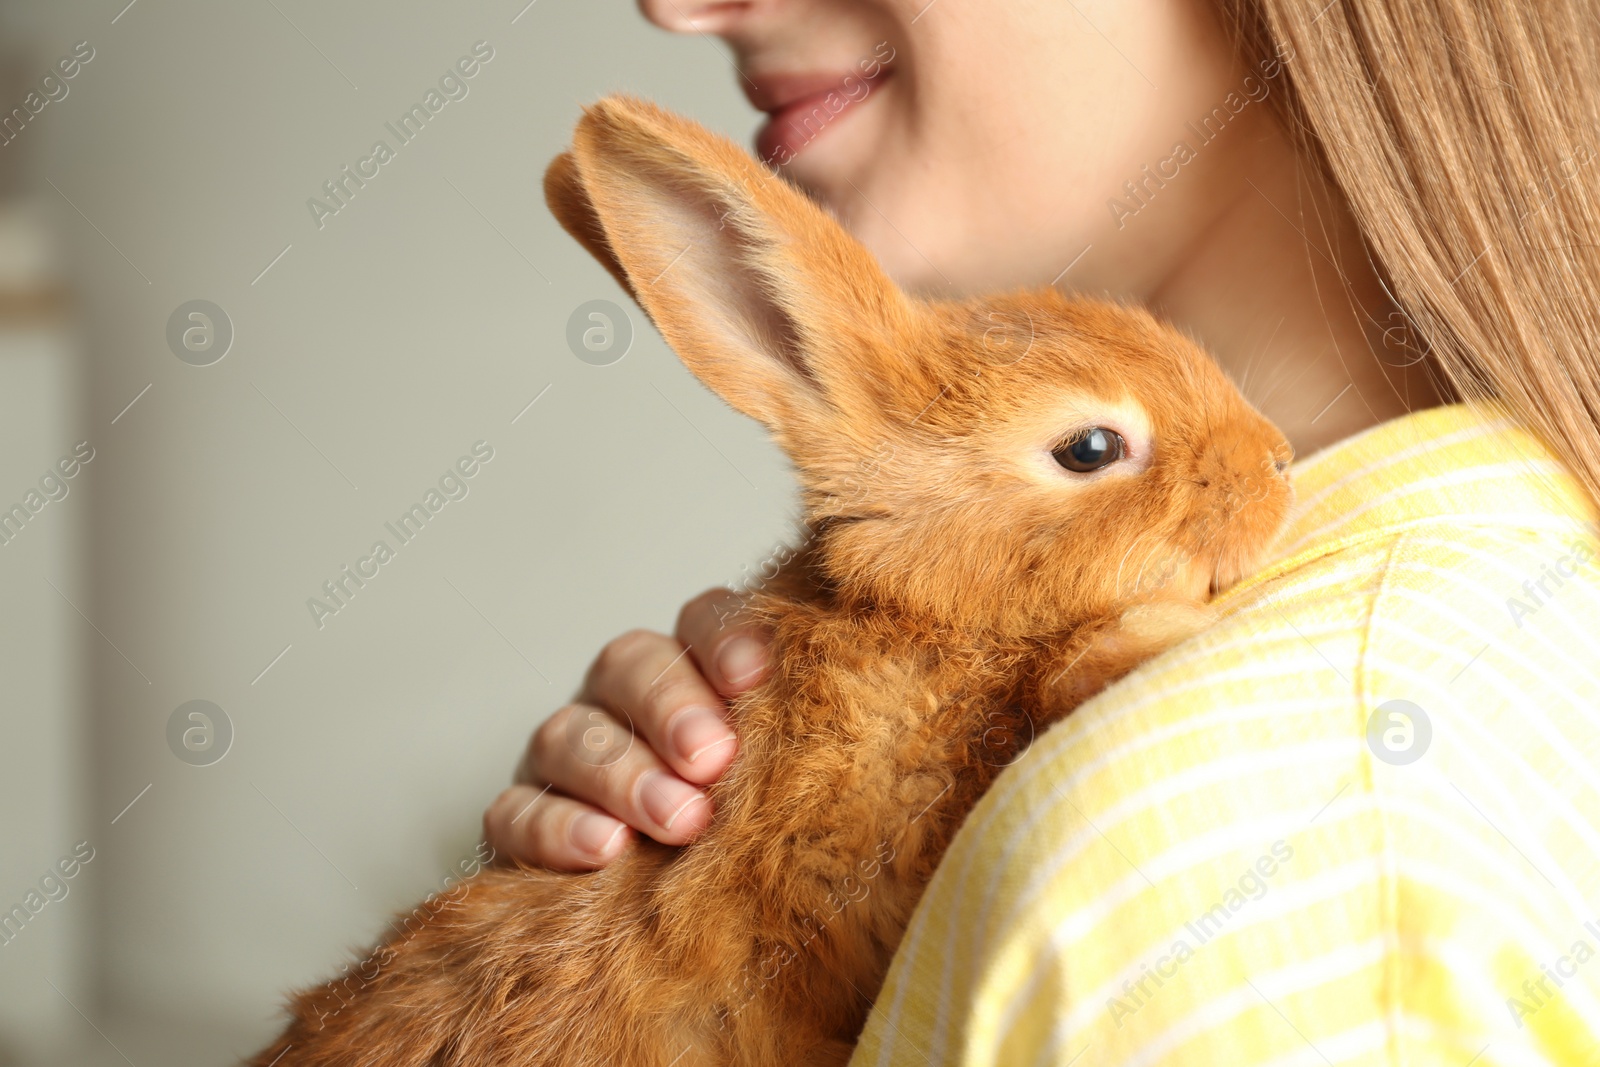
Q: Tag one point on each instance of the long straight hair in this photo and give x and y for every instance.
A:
(1465, 136)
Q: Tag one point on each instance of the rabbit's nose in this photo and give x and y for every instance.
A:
(1282, 456)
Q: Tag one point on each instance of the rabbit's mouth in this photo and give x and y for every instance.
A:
(1236, 563)
(1226, 570)
(1229, 569)
(1251, 548)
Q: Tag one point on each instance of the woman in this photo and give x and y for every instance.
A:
(1358, 820)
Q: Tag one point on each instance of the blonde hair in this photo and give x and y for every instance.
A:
(1465, 136)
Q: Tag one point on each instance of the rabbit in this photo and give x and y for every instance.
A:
(1008, 504)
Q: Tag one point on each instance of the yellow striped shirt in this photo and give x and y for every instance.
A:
(1355, 822)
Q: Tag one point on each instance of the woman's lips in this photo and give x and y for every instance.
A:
(800, 107)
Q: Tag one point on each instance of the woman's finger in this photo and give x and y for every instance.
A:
(649, 681)
(730, 650)
(537, 826)
(584, 753)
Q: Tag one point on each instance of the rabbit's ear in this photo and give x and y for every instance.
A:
(763, 295)
(569, 203)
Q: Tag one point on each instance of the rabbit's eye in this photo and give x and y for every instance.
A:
(1091, 450)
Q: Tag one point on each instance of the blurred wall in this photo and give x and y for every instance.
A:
(46, 909)
(370, 349)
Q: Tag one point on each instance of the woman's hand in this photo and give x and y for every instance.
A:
(587, 781)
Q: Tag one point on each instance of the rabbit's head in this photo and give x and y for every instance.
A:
(1014, 463)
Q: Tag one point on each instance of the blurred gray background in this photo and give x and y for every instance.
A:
(368, 354)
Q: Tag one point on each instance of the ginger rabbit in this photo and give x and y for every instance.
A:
(1008, 504)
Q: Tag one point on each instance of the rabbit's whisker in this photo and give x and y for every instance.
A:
(1121, 563)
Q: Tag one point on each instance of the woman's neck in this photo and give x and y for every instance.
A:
(1280, 290)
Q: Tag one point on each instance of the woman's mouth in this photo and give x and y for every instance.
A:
(801, 107)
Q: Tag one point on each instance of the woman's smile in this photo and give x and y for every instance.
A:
(803, 106)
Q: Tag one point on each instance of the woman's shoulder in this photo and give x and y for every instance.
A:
(1440, 558)
(1382, 760)
(1473, 616)
(1441, 575)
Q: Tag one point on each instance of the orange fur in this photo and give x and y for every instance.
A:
(955, 591)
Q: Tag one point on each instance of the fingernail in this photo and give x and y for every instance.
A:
(741, 659)
(697, 731)
(665, 797)
(596, 834)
